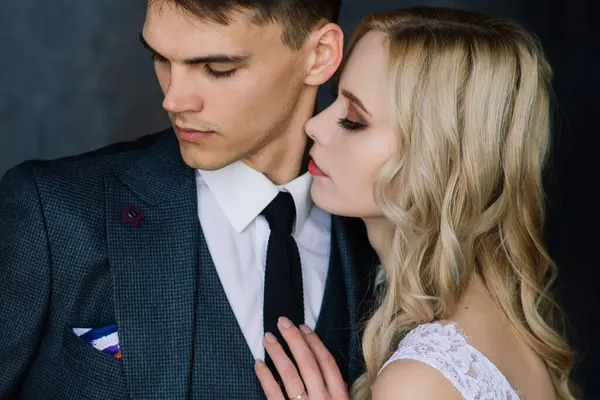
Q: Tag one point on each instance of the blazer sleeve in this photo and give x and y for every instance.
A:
(24, 276)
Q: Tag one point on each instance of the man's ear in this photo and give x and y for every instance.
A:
(327, 51)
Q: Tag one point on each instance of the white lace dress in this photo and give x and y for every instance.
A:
(447, 350)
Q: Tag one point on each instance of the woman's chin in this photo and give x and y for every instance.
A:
(344, 206)
(325, 202)
(331, 204)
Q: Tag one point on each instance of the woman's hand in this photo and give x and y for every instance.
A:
(319, 377)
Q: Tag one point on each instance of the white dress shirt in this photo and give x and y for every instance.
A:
(229, 204)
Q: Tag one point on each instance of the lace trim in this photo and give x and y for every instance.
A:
(446, 348)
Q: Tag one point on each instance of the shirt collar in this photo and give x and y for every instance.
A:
(242, 193)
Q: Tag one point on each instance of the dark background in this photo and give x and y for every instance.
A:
(73, 77)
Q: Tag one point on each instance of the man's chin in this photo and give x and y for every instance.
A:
(204, 161)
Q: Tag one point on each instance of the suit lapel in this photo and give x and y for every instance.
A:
(154, 269)
(357, 259)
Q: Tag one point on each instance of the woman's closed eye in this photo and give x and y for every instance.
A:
(353, 121)
(350, 125)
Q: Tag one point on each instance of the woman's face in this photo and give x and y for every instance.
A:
(354, 137)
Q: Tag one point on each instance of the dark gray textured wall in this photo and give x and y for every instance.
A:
(73, 77)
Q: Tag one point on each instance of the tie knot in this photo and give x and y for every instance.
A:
(281, 213)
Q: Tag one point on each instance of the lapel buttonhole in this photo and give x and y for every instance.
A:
(132, 215)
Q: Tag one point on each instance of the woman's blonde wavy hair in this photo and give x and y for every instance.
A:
(471, 97)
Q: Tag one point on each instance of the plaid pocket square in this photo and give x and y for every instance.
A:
(105, 339)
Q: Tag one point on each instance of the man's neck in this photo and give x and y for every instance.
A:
(281, 160)
(284, 157)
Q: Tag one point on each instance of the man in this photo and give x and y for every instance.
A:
(147, 270)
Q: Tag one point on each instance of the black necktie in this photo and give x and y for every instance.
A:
(283, 273)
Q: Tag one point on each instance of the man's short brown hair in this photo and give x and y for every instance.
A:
(298, 17)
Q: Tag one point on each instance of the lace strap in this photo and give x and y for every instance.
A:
(444, 364)
(447, 350)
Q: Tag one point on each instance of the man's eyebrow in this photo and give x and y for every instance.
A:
(355, 100)
(212, 58)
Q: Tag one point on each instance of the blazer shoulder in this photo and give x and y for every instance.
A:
(79, 174)
(89, 167)
(112, 157)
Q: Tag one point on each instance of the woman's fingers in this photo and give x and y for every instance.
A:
(307, 364)
(287, 370)
(317, 375)
(336, 386)
(267, 381)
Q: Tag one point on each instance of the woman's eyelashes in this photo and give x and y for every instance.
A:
(350, 125)
(352, 121)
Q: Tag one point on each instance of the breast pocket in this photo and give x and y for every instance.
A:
(92, 373)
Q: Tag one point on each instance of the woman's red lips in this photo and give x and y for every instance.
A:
(314, 169)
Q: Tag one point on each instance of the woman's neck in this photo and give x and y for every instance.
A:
(379, 231)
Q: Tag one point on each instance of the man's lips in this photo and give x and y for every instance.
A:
(191, 135)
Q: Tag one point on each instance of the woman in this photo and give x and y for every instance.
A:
(445, 113)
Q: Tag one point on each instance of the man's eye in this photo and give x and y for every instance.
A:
(220, 74)
(158, 58)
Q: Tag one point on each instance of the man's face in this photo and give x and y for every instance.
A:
(229, 90)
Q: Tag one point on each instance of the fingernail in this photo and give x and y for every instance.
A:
(285, 323)
(270, 337)
(305, 329)
(258, 364)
